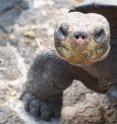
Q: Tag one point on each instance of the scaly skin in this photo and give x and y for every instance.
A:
(91, 51)
(84, 40)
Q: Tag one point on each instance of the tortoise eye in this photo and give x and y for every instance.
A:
(99, 36)
(63, 31)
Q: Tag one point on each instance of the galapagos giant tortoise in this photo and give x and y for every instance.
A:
(86, 51)
(89, 41)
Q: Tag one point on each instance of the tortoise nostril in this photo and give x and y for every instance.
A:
(76, 37)
(81, 35)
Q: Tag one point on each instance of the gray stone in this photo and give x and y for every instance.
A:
(6, 5)
(10, 11)
(8, 64)
(83, 106)
(7, 116)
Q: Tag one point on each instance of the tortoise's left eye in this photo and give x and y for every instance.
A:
(63, 31)
(99, 36)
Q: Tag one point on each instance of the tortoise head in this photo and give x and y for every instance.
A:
(82, 39)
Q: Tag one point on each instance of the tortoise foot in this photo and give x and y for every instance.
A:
(40, 109)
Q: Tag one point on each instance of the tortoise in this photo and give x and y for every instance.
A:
(87, 38)
(85, 50)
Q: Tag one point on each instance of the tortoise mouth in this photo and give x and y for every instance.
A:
(90, 53)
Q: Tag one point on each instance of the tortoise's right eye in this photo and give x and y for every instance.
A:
(99, 36)
(63, 31)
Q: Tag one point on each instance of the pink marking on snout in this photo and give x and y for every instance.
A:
(80, 41)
